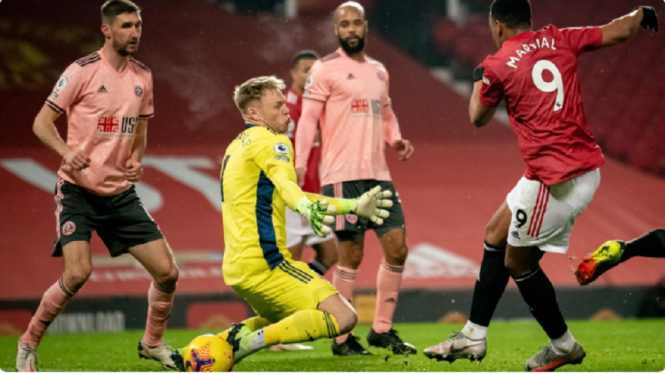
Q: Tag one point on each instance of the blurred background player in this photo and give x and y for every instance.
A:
(108, 98)
(298, 232)
(536, 73)
(258, 180)
(615, 252)
(349, 93)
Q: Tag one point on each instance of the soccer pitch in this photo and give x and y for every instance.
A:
(611, 346)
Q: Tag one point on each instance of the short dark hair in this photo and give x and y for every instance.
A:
(305, 54)
(516, 14)
(114, 8)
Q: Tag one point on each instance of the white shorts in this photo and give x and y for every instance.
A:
(544, 216)
(297, 228)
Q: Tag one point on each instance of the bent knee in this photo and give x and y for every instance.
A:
(495, 236)
(75, 279)
(168, 277)
(398, 255)
(517, 268)
(346, 320)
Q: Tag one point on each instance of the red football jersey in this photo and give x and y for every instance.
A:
(312, 181)
(536, 72)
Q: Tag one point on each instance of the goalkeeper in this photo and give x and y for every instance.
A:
(258, 181)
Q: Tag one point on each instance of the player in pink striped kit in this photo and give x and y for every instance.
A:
(348, 92)
(108, 99)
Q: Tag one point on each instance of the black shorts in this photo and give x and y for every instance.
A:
(120, 220)
(350, 226)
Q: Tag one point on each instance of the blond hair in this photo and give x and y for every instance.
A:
(253, 89)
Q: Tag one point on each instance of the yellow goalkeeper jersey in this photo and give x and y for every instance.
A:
(258, 181)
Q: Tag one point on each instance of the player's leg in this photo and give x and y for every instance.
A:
(73, 243)
(295, 233)
(157, 258)
(471, 342)
(303, 306)
(388, 283)
(78, 267)
(127, 227)
(547, 228)
(296, 250)
(350, 232)
(326, 255)
(350, 250)
(614, 252)
(537, 290)
(333, 316)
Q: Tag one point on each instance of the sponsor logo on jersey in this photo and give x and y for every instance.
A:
(62, 82)
(366, 107)
(112, 127)
(281, 148)
(138, 91)
(350, 77)
(68, 228)
(102, 89)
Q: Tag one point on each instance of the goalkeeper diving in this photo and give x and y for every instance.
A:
(258, 181)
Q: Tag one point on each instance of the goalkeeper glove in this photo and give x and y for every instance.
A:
(649, 18)
(317, 213)
(368, 204)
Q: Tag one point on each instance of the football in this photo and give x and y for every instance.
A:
(208, 353)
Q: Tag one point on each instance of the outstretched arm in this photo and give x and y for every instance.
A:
(621, 29)
(316, 208)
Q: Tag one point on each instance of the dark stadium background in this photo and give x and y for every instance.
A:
(198, 50)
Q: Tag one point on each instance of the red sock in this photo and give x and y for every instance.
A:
(388, 282)
(53, 303)
(343, 280)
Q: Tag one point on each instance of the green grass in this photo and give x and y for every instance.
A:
(610, 346)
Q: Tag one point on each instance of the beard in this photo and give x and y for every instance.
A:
(122, 49)
(360, 46)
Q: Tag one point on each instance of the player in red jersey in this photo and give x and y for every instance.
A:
(108, 99)
(536, 73)
(299, 233)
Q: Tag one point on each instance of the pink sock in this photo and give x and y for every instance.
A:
(343, 280)
(53, 302)
(388, 281)
(159, 310)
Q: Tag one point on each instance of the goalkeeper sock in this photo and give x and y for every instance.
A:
(651, 244)
(302, 326)
(254, 323)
